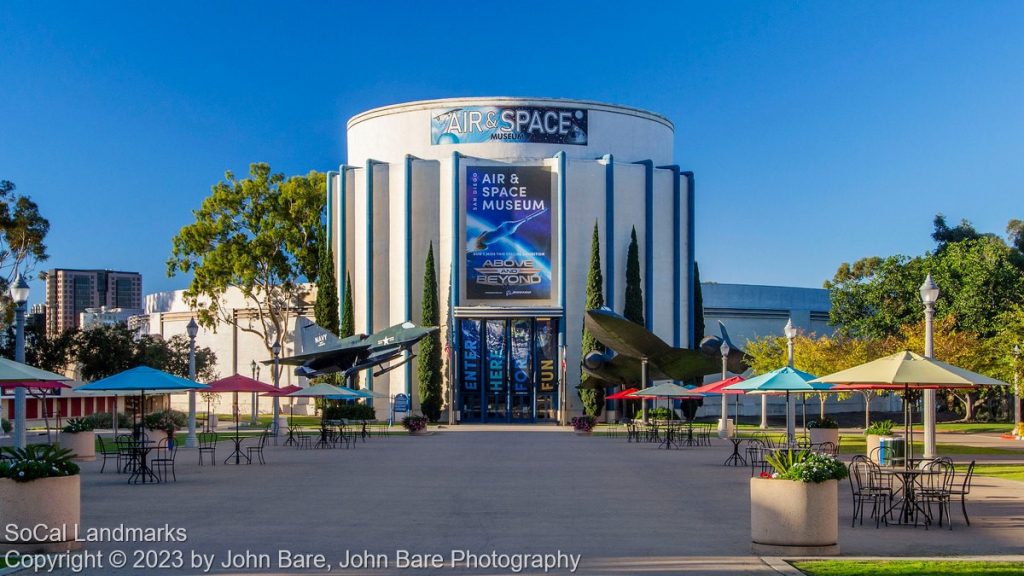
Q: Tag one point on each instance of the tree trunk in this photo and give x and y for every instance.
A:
(867, 409)
(821, 400)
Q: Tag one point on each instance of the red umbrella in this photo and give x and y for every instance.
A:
(236, 384)
(624, 395)
(717, 387)
(279, 392)
(282, 391)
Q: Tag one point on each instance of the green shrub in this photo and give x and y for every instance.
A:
(5, 424)
(349, 412)
(37, 461)
(825, 422)
(105, 420)
(881, 428)
(167, 420)
(659, 414)
(76, 425)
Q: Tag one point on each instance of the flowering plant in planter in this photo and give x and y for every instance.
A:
(414, 423)
(804, 466)
(583, 423)
(879, 428)
(37, 461)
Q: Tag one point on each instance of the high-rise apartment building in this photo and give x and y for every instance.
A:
(69, 292)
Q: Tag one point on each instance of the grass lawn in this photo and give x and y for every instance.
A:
(907, 568)
(1007, 471)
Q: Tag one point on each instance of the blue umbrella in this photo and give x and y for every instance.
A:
(142, 379)
(786, 380)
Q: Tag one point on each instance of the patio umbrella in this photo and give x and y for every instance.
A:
(668, 390)
(18, 374)
(716, 388)
(142, 379)
(323, 391)
(235, 384)
(788, 380)
(280, 392)
(908, 370)
(40, 386)
(624, 395)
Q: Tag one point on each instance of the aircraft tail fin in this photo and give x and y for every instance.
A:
(314, 337)
(725, 335)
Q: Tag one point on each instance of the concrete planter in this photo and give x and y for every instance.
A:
(819, 435)
(212, 422)
(50, 508)
(871, 441)
(794, 518)
(156, 436)
(83, 444)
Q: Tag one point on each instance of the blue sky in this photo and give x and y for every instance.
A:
(818, 132)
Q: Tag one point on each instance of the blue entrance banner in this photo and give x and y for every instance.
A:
(508, 232)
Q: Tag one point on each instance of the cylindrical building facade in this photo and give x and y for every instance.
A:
(508, 191)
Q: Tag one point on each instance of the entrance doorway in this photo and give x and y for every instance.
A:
(508, 370)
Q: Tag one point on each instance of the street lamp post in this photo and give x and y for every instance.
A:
(255, 401)
(929, 295)
(790, 332)
(723, 424)
(276, 349)
(1016, 390)
(192, 329)
(19, 294)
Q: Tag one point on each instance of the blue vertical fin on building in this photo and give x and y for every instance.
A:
(690, 255)
(342, 239)
(369, 262)
(407, 220)
(676, 256)
(648, 241)
(562, 167)
(609, 230)
(453, 292)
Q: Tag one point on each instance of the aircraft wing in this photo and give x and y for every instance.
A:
(684, 364)
(620, 370)
(622, 335)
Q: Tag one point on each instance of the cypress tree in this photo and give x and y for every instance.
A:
(593, 399)
(348, 320)
(634, 303)
(325, 311)
(428, 369)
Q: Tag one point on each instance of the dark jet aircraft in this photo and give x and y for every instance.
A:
(632, 342)
(504, 230)
(324, 353)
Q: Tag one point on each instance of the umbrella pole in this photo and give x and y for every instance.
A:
(238, 452)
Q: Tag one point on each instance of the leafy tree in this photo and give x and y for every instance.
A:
(944, 235)
(1015, 232)
(22, 240)
(978, 280)
(106, 350)
(876, 296)
(428, 368)
(592, 398)
(53, 353)
(260, 235)
(326, 308)
(634, 302)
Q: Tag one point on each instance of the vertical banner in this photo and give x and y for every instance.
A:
(470, 354)
(495, 357)
(508, 232)
(521, 368)
(547, 355)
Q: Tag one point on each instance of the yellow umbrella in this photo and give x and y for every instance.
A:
(907, 370)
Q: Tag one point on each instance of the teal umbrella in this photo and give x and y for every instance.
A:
(788, 380)
(142, 379)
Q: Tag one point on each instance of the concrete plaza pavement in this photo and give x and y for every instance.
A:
(624, 508)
